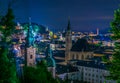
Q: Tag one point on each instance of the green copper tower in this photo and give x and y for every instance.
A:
(50, 62)
(30, 35)
(30, 49)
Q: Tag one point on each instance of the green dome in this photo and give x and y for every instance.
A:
(50, 62)
(49, 59)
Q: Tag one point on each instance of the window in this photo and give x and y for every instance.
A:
(89, 79)
(77, 56)
(96, 76)
(31, 56)
(97, 70)
(87, 56)
(92, 80)
(82, 57)
(93, 70)
(73, 56)
(89, 69)
(89, 74)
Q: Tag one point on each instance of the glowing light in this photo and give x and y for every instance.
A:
(50, 33)
(55, 36)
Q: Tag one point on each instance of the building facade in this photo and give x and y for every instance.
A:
(93, 72)
(79, 50)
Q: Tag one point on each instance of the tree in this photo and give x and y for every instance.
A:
(115, 62)
(38, 74)
(7, 25)
(7, 68)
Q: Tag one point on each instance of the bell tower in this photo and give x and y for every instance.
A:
(30, 49)
(68, 41)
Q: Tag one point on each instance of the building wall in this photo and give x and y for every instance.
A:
(94, 75)
(31, 53)
(71, 76)
(79, 55)
(74, 76)
(52, 71)
(68, 43)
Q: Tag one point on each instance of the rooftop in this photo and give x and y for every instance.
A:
(65, 69)
(92, 64)
(82, 45)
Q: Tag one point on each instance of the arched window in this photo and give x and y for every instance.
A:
(82, 57)
(77, 56)
(73, 56)
(31, 56)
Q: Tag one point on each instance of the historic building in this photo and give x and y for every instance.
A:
(68, 42)
(93, 71)
(51, 65)
(30, 49)
(79, 50)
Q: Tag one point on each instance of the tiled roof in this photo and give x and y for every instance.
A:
(92, 64)
(65, 69)
(81, 45)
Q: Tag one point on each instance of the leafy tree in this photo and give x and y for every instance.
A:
(7, 25)
(38, 74)
(115, 62)
(7, 68)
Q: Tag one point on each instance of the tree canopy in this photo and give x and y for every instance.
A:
(38, 74)
(7, 68)
(115, 62)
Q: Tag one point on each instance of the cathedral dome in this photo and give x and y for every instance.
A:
(50, 62)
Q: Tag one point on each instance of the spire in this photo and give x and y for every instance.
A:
(30, 38)
(27, 41)
(68, 27)
(29, 21)
(48, 51)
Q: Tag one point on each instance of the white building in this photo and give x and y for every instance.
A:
(93, 72)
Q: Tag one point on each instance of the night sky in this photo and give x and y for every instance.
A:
(85, 15)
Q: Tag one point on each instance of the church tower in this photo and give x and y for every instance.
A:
(30, 49)
(51, 65)
(68, 41)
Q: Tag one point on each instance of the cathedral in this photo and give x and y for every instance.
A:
(80, 50)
